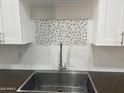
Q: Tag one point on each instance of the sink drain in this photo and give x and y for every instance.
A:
(59, 90)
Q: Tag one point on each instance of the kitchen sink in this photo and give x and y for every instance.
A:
(57, 81)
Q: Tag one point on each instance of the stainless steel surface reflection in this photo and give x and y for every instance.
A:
(60, 88)
(56, 81)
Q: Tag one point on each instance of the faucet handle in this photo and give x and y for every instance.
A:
(65, 66)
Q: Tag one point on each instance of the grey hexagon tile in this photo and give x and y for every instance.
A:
(69, 32)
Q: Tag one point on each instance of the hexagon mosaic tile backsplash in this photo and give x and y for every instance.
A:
(53, 32)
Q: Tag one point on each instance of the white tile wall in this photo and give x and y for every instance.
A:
(77, 57)
(43, 57)
(69, 32)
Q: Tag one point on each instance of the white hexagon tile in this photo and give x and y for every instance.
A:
(69, 32)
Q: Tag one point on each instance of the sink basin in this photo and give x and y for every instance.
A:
(55, 81)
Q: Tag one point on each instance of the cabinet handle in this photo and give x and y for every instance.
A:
(122, 39)
(1, 38)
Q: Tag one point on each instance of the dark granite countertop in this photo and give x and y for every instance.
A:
(10, 80)
(108, 82)
(105, 82)
(14, 75)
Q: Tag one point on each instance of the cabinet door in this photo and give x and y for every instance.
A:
(121, 31)
(122, 16)
(112, 22)
(1, 30)
(11, 21)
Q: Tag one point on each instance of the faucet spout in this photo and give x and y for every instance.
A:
(61, 67)
(60, 64)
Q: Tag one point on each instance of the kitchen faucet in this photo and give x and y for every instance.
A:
(61, 67)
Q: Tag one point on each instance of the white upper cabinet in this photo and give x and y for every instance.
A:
(122, 19)
(108, 23)
(16, 22)
(1, 30)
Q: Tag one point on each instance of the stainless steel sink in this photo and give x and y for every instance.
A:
(56, 81)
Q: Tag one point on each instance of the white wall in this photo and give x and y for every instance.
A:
(108, 58)
(61, 12)
(43, 57)
(48, 57)
(77, 57)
